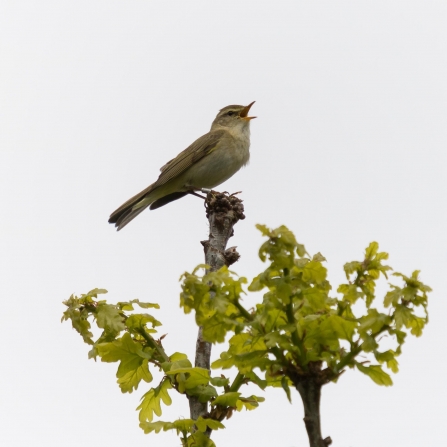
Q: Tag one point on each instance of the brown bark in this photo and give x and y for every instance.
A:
(223, 212)
(309, 388)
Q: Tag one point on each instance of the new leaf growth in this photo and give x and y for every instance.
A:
(301, 334)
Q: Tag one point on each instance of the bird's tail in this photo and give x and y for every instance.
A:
(153, 197)
(126, 217)
(134, 206)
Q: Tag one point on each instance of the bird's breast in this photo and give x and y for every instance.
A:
(221, 163)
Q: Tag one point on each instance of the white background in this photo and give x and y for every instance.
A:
(349, 147)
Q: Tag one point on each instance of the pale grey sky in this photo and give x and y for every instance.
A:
(349, 147)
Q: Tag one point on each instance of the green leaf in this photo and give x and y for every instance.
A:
(94, 293)
(128, 305)
(263, 229)
(203, 424)
(374, 321)
(319, 335)
(301, 250)
(283, 290)
(80, 324)
(132, 368)
(227, 400)
(225, 361)
(149, 427)
(417, 324)
(392, 297)
(351, 292)
(342, 328)
(249, 403)
(78, 314)
(199, 439)
(314, 272)
(220, 381)
(376, 373)
(184, 425)
(351, 267)
(109, 317)
(151, 401)
(390, 358)
(179, 356)
(372, 249)
(369, 343)
(205, 393)
(179, 361)
(256, 379)
(130, 380)
(400, 336)
(319, 258)
(137, 322)
(285, 387)
(105, 337)
(196, 376)
(257, 284)
(403, 316)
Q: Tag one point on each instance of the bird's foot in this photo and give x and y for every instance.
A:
(193, 193)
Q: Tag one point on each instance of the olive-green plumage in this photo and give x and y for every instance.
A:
(208, 162)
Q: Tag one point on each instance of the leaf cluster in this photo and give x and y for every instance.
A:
(128, 339)
(300, 329)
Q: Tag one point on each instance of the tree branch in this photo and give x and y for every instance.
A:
(310, 392)
(223, 212)
(348, 358)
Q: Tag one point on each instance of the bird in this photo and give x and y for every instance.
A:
(209, 161)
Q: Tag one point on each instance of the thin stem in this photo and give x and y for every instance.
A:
(295, 338)
(153, 344)
(244, 312)
(237, 382)
(348, 358)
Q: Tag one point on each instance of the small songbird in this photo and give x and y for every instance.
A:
(208, 162)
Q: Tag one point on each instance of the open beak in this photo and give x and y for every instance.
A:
(245, 111)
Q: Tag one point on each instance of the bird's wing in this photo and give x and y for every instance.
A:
(199, 149)
(192, 154)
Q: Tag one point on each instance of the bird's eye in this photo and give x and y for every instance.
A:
(230, 113)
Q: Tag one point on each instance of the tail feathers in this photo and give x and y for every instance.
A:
(125, 213)
(137, 204)
(127, 216)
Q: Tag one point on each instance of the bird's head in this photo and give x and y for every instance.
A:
(233, 116)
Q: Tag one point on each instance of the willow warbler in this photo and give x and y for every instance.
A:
(208, 162)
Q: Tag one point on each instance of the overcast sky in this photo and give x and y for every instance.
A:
(349, 147)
